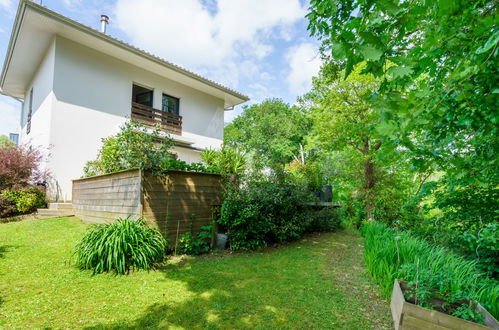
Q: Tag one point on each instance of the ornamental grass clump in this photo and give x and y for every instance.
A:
(392, 254)
(119, 247)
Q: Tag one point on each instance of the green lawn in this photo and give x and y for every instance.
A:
(319, 282)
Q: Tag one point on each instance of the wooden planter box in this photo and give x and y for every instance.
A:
(179, 201)
(409, 316)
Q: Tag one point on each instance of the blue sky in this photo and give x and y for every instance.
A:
(258, 47)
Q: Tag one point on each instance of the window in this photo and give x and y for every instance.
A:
(30, 111)
(142, 95)
(170, 104)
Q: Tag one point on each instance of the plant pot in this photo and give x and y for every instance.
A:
(222, 241)
(410, 316)
(327, 194)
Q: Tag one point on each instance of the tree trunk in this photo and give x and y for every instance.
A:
(369, 182)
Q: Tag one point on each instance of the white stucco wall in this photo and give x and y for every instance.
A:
(43, 99)
(92, 97)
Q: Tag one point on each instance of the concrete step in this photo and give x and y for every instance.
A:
(54, 213)
(60, 206)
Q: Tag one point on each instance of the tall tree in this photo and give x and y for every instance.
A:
(343, 118)
(439, 63)
(271, 132)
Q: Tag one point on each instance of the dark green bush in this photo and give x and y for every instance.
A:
(195, 244)
(121, 246)
(21, 201)
(325, 220)
(261, 213)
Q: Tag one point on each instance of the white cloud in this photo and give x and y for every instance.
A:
(10, 112)
(6, 4)
(213, 36)
(304, 63)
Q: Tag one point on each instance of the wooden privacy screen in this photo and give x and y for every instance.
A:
(178, 200)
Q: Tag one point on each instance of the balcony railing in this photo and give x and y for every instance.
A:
(151, 117)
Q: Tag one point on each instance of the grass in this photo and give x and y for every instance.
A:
(456, 274)
(319, 282)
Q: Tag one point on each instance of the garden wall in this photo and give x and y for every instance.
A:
(182, 201)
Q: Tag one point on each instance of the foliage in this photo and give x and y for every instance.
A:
(6, 142)
(427, 286)
(343, 118)
(21, 201)
(391, 254)
(229, 161)
(137, 146)
(325, 220)
(195, 245)
(438, 61)
(271, 133)
(121, 246)
(21, 166)
(461, 217)
(264, 212)
(308, 175)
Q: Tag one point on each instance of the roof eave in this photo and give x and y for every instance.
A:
(118, 43)
(12, 40)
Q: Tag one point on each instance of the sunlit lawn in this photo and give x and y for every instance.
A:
(319, 282)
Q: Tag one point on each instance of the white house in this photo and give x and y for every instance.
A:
(79, 85)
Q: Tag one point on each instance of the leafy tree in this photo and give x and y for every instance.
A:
(271, 132)
(438, 60)
(6, 142)
(343, 117)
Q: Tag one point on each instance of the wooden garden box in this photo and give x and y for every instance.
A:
(177, 202)
(409, 316)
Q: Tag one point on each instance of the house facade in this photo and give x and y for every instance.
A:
(79, 85)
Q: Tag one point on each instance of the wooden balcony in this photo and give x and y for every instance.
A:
(168, 122)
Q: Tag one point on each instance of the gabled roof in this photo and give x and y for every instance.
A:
(35, 27)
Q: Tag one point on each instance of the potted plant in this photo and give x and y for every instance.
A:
(417, 305)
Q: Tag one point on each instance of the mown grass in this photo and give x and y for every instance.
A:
(388, 251)
(319, 282)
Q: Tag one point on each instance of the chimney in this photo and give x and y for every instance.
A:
(104, 21)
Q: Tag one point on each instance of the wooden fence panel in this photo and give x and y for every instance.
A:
(104, 198)
(175, 203)
(182, 201)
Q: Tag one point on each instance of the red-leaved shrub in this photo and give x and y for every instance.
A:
(20, 167)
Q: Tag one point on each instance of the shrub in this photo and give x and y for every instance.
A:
(264, 212)
(229, 161)
(325, 220)
(20, 167)
(6, 142)
(7, 206)
(120, 247)
(391, 254)
(137, 146)
(195, 245)
(24, 200)
(305, 175)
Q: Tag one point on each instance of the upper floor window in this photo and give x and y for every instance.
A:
(30, 111)
(142, 95)
(170, 104)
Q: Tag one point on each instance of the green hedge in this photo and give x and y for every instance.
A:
(386, 262)
(22, 201)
